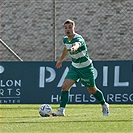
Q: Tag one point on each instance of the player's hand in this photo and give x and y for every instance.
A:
(58, 64)
(75, 47)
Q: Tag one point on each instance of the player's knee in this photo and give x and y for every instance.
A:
(65, 87)
(92, 90)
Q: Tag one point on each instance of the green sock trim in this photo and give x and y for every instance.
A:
(99, 96)
(64, 98)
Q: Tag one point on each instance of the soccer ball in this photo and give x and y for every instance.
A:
(45, 110)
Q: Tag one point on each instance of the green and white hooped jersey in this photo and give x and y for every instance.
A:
(80, 58)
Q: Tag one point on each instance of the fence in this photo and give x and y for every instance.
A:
(33, 29)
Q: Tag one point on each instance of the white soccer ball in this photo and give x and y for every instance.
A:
(45, 110)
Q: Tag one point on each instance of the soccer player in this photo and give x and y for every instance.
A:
(81, 69)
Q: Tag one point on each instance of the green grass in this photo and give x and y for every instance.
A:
(81, 118)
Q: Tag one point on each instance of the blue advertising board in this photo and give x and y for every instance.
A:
(40, 82)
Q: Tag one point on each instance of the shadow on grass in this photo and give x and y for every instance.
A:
(65, 121)
(1, 117)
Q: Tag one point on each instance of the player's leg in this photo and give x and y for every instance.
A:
(70, 79)
(64, 97)
(66, 92)
(98, 94)
(89, 81)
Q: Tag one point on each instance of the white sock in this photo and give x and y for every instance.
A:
(62, 109)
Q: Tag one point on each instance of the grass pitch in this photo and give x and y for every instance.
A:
(81, 118)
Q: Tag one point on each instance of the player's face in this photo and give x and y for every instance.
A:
(69, 29)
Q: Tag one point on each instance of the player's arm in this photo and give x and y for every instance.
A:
(59, 62)
(75, 46)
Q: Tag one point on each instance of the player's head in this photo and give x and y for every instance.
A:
(69, 21)
(69, 27)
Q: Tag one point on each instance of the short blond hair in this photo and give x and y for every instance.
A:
(69, 21)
